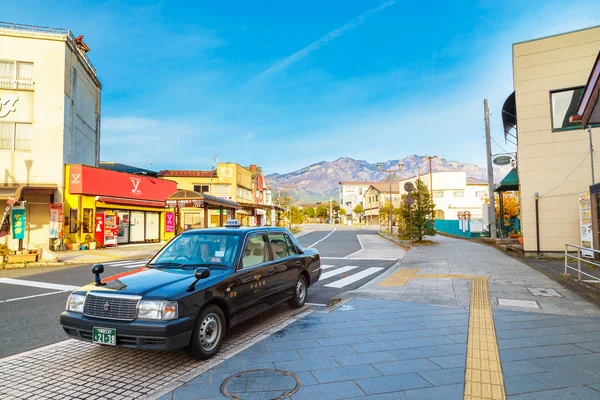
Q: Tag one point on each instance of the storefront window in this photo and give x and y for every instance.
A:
(88, 220)
(564, 105)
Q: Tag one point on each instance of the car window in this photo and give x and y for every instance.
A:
(279, 245)
(291, 247)
(200, 248)
(255, 252)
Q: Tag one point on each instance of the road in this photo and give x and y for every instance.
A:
(32, 299)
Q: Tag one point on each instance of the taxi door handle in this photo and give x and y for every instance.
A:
(271, 271)
(298, 263)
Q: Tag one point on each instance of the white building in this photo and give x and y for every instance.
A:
(49, 117)
(352, 194)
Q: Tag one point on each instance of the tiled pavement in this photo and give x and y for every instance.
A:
(73, 369)
(509, 280)
(379, 349)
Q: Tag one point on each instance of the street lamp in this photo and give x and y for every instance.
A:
(390, 172)
(289, 188)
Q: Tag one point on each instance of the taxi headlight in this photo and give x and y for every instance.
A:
(157, 310)
(75, 303)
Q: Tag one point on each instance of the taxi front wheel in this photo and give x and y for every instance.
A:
(299, 293)
(208, 334)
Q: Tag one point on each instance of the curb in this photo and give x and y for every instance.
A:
(31, 265)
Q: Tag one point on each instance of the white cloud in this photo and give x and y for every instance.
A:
(323, 41)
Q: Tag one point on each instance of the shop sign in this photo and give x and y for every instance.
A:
(18, 221)
(502, 160)
(585, 224)
(56, 220)
(181, 203)
(5, 221)
(169, 222)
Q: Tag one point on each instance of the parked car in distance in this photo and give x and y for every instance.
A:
(200, 284)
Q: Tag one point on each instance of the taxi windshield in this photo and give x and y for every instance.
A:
(199, 249)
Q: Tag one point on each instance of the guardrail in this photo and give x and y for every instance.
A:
(579, 258)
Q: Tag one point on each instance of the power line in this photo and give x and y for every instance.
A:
(570, 173)
(139, 152)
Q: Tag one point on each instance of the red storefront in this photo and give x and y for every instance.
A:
(115, 207)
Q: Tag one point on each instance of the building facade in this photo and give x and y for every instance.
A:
(352, 194)
(49, 117)
(549, 75)
(375, 198)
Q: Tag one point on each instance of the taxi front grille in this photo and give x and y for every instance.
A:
(118, 308)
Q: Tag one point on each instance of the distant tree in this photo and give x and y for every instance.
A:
(421, 223)
(297, 215)
(310, 212)
(384, 214)
(322, 211)
(358, 209)
(343, 211)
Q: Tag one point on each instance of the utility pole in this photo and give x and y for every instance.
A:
(592, 154)
(390, 172)
(289, 188)
(490, 170)
(330, 210)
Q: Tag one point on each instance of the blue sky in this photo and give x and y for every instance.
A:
(285, 84)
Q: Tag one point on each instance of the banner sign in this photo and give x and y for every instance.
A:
(182, 203)
(56, 220)
(169, 222)
(18, 221)
(585, 224)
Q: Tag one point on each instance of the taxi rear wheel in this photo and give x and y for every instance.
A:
(300, 292)
(208, 334)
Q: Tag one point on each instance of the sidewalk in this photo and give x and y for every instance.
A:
(109, 254)
(512, 284)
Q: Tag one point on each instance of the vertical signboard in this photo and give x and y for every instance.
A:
(56, 221)
(169, 222)
(585, 224)
(18, 221)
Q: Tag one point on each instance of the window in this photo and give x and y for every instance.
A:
(279, 246)
(16, 75)
(244, 193)
(255, 252)
(563, 105)
(459, 193)
(221, 190)
(15, 136)
(201, 188)
(204, 249)
(480, 194)
(438, 193)
(360, 191)
(290, 244)
(88, 220)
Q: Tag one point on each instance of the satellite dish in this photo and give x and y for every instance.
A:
(409, 187)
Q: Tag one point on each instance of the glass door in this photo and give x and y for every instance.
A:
(123, 227)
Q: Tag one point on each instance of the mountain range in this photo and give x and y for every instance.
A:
(319, 181)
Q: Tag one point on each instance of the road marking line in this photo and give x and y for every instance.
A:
(319, 241)
(337, 272)
(116, 264)
(483, 372)
(42, 285)
(324, 266)
(358, 251)
(353, 278)
(316, 304)
(359, 259)
(31, 297)
(133, 265)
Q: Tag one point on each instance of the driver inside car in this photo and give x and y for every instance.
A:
(205, 252)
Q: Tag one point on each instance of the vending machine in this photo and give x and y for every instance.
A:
(107, 229)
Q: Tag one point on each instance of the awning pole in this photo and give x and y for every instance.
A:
(591, 154)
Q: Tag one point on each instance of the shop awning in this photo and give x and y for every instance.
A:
(15, 192)
(131, 202)
(588, 111)
(509, 115)
(189, 198)
(510, 183)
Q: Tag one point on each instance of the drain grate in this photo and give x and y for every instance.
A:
(260, 384)
(544, 292)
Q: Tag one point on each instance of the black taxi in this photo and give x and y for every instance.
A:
(200, 284)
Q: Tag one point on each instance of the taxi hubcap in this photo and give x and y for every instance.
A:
(300, 290)
(210, 332)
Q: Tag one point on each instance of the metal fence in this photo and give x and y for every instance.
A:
(579, 251)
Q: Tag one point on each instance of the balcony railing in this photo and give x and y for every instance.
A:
(49, 31)
(14, 84)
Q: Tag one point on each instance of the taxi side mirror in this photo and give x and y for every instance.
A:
(199, 273)
(97, 269)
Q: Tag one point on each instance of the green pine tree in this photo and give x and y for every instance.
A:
(417, 218)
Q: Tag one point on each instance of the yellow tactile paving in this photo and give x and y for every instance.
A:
(483, 377)
(400, 277)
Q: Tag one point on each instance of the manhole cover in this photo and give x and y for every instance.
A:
(544, 292)
(260, 384)
(518, 303)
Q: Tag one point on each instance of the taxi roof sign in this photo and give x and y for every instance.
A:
(232, 223)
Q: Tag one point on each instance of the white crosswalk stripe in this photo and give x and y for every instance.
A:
(325, 266)
(337, 271)
(127, 264)
(353, 278)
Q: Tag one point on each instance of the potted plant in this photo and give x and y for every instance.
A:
(72, 244)
(520, 237)
(4, 251)
(513, 234)
(90, 242)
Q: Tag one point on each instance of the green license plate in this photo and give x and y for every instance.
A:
(104, 336)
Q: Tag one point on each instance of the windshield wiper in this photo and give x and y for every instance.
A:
(209, 265)
(165, 265)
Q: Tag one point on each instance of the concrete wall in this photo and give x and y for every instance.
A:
(555, 164)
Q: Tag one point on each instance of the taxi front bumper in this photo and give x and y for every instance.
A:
(142, 335)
